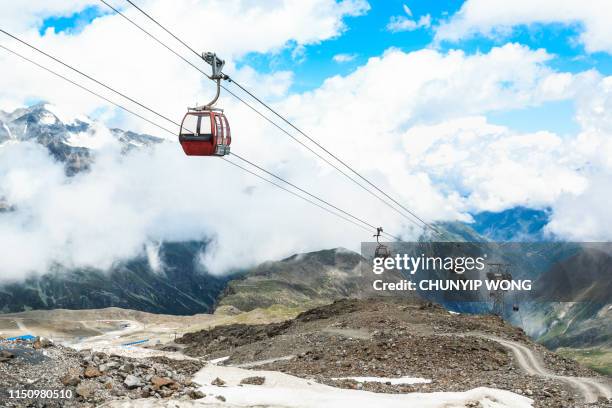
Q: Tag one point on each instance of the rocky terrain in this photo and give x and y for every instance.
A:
(90, 377)
(387, 346)
(392, 339)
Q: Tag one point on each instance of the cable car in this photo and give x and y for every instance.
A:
(515, 307)
(205, 130)
(381, 250)
(205, 133)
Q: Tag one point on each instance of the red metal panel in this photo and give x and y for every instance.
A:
(213, 128)
(193, 148)
(228, 133)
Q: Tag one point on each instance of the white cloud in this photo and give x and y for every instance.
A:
(585, 216)
(451, 159)
(493, 167)
(403, 23)
(114, 211)
(498, 17)
(392, 94)
(342, 58)
(142, 68)
(22, 16)
(407, 10)
(407, 23)
(268, 86)
(426, 85)
(124, 204)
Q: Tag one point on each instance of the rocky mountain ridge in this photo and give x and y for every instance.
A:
(72, 140)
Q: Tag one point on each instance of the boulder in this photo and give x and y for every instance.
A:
(196, 394)
(131, 382)
(92, 372)
(72, 378)
(218, 382)
(108, 366)
(6, 355)
(85, 389)
(159, 382)
(257, 380)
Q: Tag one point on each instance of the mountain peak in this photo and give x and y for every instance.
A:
(70, 137)
(52, 114)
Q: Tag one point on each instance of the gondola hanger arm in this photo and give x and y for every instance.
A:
(217, 65)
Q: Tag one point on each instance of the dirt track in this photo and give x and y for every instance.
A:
(591, 388)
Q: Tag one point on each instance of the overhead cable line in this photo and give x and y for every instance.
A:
(164, 28)
(426, 224)
(172, 133)
(283, 118)
(306, 192)
(85, 75)
(85, 89)
(258, 112)
(297, 195)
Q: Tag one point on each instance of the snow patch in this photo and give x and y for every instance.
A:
(48, 118)
(219, 360)
(384, 380)
(280, 389)
(65, 115)
(11, 136)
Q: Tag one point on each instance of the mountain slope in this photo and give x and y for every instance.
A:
(514, 224)
(180, 287)
(302, 280)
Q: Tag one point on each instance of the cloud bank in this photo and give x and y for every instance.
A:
(497, 18)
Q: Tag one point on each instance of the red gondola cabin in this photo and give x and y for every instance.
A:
(205, 133)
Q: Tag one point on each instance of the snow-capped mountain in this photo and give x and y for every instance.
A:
(72, 140)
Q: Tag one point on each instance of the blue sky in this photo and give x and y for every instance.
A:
(73, 23)
(367, 36)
